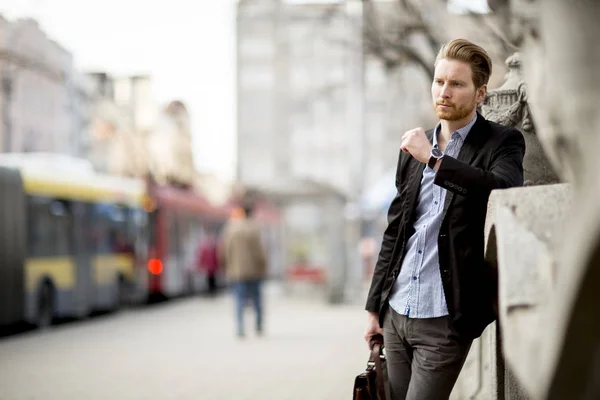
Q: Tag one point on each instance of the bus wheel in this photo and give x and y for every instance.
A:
(45, 309)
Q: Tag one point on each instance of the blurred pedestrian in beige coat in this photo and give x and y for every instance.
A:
(244, 258)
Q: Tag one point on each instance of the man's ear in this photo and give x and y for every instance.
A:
(480, 95)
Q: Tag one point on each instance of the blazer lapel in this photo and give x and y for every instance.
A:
(473, 143)
(475, 140)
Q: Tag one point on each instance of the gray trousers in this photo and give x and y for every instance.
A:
(424, 356)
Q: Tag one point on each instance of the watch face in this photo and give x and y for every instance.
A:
(437, 153)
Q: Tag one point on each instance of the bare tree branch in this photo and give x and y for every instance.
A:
(390, 36)
(417, 13)
(390, 40)
(494, 32)
(416, 58)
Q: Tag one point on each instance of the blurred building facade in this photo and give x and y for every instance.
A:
(257, 27)
(42, 107)
(134, 94)
(169, 146)
(296, 88)
(81, 95)
(132, 136)
(317, 131)
(124, 112)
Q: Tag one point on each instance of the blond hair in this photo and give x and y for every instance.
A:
(476, 56)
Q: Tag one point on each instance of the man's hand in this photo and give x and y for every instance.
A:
(373, 327)
(416, 143)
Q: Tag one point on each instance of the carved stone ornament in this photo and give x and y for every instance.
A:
(507, 105)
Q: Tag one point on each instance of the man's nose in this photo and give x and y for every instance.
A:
(445, 92)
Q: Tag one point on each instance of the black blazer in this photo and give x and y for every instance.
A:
(491, 158)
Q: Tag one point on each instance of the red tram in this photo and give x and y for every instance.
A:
(179, 220)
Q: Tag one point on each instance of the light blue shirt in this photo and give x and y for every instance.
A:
(418, 291)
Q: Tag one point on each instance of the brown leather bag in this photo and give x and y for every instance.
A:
(372, 384)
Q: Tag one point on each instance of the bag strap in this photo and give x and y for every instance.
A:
(375, 360)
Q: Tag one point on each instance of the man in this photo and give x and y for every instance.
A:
(245, 262)
(431, 290)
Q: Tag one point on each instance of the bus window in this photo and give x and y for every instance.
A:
(110, 227)
(48, 223)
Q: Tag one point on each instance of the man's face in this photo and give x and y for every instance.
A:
(453, 91)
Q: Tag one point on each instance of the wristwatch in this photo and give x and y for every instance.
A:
(436, 154)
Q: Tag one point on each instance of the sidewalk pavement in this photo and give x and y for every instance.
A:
(187, 349)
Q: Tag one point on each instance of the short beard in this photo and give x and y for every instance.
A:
(454, 114)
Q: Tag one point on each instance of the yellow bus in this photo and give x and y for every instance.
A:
(72, 241)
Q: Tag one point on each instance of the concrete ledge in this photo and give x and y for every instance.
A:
(522, 231)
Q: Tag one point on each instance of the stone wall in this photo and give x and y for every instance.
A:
(521, 228)
(549, 277)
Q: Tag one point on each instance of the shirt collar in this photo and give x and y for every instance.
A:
(463, 132)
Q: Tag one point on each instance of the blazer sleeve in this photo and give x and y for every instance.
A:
(387, 246)
(506, 169)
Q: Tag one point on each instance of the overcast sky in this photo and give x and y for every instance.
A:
(187, 46)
